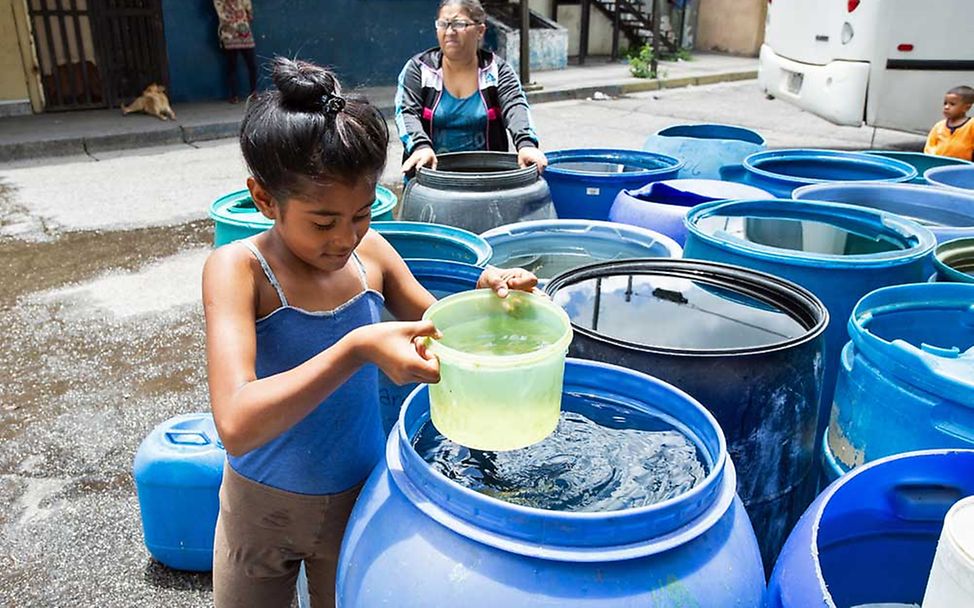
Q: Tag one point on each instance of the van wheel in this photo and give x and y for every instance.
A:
(769, 96)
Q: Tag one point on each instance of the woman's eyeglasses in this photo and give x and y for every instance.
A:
(457, 25)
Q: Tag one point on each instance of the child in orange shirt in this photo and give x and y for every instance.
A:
(954, 136)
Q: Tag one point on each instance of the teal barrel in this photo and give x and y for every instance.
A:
(869, 539)
(417, 538)
(838, 252)
(954, 261)
(919, 161)
(236, 217)
(705, 148)
(780, 172)
(906, 380)
(178, 469)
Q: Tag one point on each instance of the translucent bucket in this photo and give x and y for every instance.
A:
(951, 580)
(502, 363)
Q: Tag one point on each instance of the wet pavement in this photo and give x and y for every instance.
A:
(103, 330)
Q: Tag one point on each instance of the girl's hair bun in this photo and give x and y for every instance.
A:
(303, 84)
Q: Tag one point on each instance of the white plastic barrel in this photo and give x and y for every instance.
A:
(951, 582)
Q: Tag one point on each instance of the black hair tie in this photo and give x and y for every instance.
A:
(332, 104)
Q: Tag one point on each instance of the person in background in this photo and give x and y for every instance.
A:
(458, 97)
(294, 342)
(954, 135)
(237, 39)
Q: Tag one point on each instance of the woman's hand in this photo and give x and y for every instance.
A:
(529, 155)
(502, 280)
(421, 157)
(398, 349)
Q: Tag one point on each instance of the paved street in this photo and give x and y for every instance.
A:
(103, 332)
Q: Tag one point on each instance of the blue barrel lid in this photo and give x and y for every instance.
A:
(632, 164)
(457, 237)
(911, 240)
(943, 370)
(872, 167)
(238, 209)
(576, 536)
(955, 177)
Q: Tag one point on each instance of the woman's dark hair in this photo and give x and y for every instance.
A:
(471, 7)
(306, 131)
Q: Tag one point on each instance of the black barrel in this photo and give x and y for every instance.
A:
(748, 345)
(477, 191)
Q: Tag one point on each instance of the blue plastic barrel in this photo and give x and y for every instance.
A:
(960, 178)
(839, 252)
(747, 345)
(907, 377)
(870, 537)
(705, 148)
(550, 247)
(422, 241)
(919, 161)
(661, 206)
(781, 171)
(585, 182)
(948, 214)
(954, 261)
(418, 539)
(441, 278)
(178, 469)
(236, 216)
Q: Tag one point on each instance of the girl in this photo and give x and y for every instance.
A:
(293, 340)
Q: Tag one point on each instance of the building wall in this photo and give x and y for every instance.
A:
(365, 41)
(13, 80)
(731, 26)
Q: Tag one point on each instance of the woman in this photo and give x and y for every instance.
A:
(458, 97)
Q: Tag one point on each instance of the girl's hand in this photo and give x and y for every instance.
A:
(502, 280)
(421, 157)
(529, 155)
(398, 349)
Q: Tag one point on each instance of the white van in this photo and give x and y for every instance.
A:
(887, 63)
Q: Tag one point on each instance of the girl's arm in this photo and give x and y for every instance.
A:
(249, 412)
(405, 297)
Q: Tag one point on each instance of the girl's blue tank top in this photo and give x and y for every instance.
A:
(335, 446)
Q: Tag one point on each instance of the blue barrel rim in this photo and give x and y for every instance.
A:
(880, 162)
(933, 176)
(620, 155)
(714, 125)
(902, 229)
(558, 535)
(825, 497)
(456, 236)
(752, 283)
(582, 229)
(897, 360)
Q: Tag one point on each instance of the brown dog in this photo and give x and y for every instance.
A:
(152, 101)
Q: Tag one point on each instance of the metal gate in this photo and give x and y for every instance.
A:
(97, 53)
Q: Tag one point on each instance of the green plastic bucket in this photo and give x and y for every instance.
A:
(502, 365)
(236, 217)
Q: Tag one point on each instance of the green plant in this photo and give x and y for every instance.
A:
(641, 63)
